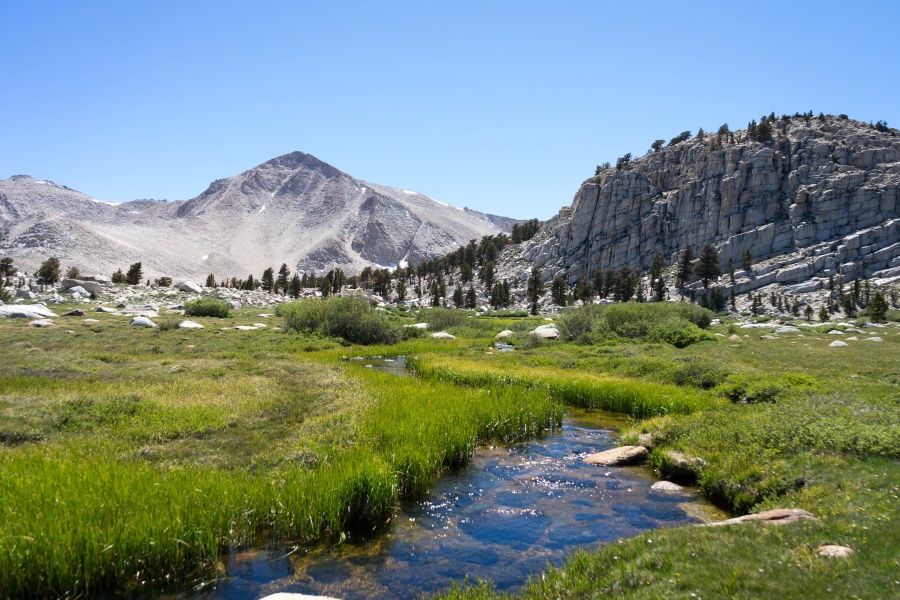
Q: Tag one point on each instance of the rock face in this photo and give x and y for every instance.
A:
(294, 209)
(820, 199)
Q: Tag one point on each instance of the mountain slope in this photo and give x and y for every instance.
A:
(294, 208)
(819, 199)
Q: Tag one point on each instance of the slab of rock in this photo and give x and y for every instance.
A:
(418, 326)
(838, 344)
(505, 334)
(835, 332)
(735, 338)
(142, 322)
(548, 332)
(759, 326)
(623, 455)
(246, 328)
(768, 337)
(28, 311)
(666, 486)
(41, 323)
(91, 321)
(25, 294)
(835, 551)
(189, 286)
(74, 313)
(443, 335)
(190, 325)
(874, 339)
(104, 309)
(85, 285)
(778, 516)
(787, 329)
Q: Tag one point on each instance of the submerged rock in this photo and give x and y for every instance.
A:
(666, 486)
(623, 455)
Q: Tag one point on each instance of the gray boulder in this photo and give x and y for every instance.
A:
(623, 455)
(443, 335)
(41, 323)
(190, 325)
(142, 322)
(85, 285)
(190, 286)
(549, 332)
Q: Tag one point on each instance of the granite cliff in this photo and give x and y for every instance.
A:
(819, 199)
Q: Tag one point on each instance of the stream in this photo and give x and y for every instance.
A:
(510, 512)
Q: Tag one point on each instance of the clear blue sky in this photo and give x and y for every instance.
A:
(500, 106)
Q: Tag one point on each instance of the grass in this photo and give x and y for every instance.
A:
(130, 455)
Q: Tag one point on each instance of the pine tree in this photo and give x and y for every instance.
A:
(746, 260)
(709, 267)
(48, 272)
(583, 290)
(471, 298)
(210, 280)
(72, 273)
(284, 274)
(808, 311)
(657, 266)
(823, 314)
(685, 266)
(134, 274)
(458, 299)
(878, 307)
(267, 282)
(296, 286)
(401, 290)
(535, 289)
(558, 291)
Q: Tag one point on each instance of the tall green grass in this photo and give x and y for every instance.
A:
(351, 318)
(634, 397)
(678, 323)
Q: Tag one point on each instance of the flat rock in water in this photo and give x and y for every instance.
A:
(835, 551)
(838, 344)
(190, 325)
(443, 335)
(505, 334)
(623, 455)
(142, 322)
(30, 311)
(778, 516)
(666, 486)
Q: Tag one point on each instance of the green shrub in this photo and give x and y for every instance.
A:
(351, 318)
(752, 388)
(442, 318)
(207, 307)
(676, 323)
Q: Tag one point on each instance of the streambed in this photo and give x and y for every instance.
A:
(509, 513)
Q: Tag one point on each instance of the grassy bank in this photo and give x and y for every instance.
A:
(135, 456)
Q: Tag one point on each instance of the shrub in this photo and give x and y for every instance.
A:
(750, 389)
(676, 323)
(351, 318)
(442, 318)
(207, 307)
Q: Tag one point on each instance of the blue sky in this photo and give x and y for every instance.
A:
(505, 107)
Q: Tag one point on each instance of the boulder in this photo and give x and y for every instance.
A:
(838, 344)
(190, 325)
(504, 335)
(103, 309)
(735, 338)
(77, 290)
(91, 321)
(25, 293)
(294, 596)
(189, 286)
(681, 467)
(666, 486)
(787, 329)
(623, 455)
(759, 326)
(443, 335)
(778, 516)
(28, 311)
(548, 332)
(142, 322)
(835, 551)
(418, 326)
(101, 279)
(874, 339)
(86, 286)
(835, 332)
(245, 328)
(74, 313)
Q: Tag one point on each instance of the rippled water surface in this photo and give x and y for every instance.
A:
(509, 513)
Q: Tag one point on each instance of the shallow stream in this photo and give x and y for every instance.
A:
(509, 513)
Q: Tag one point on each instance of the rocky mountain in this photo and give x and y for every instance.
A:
(818, 199)
(294, 209)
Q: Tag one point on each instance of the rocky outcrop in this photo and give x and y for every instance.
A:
(293, 209)
(820, 199)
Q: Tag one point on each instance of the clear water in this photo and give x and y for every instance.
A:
(508, 514)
